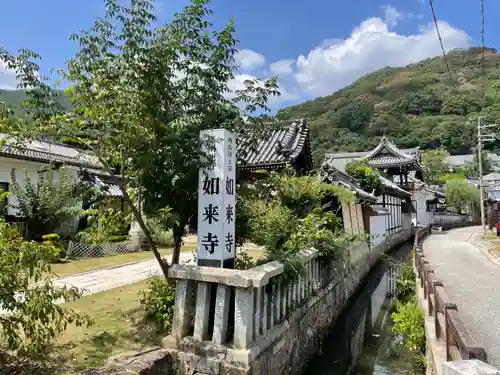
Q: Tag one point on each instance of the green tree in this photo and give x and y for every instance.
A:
(46, 204)
(356, 115)
(472, 167)
(33, 319)
(461, 196)
(435, 163)
(368, 177)
(141, 95)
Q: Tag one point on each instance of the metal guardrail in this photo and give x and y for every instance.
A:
(449, 328)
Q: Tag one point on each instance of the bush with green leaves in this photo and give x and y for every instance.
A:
(409, 323)
(285, 214)
(368, 177)
(44, 205)
(406, 284)
(158, 302)
(104, 225)
(54, 248)
(33, 320)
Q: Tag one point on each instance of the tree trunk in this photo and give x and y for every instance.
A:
(178, 232)
(137, 215)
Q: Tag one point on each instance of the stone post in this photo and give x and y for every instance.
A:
(136, 234)
(469, 367)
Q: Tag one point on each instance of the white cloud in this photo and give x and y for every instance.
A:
(282, 67)
(238, 83)
(391, 15)
(249, 60)
(8, 79)
(371, 46)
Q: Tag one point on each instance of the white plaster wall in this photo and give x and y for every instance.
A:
(449, 218)
(423, 217)
(494, 194)
(406, 221)
(377, 229)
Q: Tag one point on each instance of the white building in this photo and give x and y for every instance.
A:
(35, 157)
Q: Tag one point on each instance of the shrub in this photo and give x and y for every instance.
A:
(35, 321)
(406, 284)
(243, 261)
(409, 323)
(105, 225)
(158, 228)
(368, 178)
(53, 250)
(158, 301)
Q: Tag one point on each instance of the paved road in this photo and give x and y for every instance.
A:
(104, 279)
(472, 280)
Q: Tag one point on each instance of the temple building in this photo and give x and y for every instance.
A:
(379, 217)
(287, 145)
(402, 176)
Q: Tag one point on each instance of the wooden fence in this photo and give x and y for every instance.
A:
(448, 326)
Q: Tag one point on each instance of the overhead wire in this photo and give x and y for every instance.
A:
(440, 40)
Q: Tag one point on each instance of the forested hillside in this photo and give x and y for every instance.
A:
(13, 99)
(418, 105)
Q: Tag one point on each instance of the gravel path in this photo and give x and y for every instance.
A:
(472, 281)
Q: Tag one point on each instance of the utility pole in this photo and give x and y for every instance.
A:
(480, 139)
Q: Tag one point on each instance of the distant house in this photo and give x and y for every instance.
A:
(35, 157)
(461, 161)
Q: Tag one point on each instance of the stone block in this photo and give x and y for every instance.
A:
(469, 367)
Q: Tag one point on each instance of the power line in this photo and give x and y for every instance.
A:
(440, 39)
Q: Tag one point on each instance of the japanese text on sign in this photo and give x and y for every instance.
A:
(217, 201)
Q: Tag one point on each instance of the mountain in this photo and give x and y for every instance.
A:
(417, 105)
(14, 98)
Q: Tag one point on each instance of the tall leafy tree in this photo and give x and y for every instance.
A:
(461, 196)
(435, 163)
(141, 94)
(46, 204)
(472, 167)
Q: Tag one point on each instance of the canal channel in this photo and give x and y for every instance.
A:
(362, 341)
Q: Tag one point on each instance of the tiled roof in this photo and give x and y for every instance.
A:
(386, 154)
(102, 182)
(332, 175)
(394, 187)
(282, 146)
(109, 189)
(494, 176)
(340, 160)
(47, 152)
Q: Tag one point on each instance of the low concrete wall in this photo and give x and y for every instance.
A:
(286, 345)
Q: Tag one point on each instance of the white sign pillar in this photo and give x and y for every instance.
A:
(217, 202)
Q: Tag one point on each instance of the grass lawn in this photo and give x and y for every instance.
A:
(118, 326)
(75, 266)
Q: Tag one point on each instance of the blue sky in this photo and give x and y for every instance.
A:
(315, 47)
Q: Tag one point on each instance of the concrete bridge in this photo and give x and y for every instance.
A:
(459, 290)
